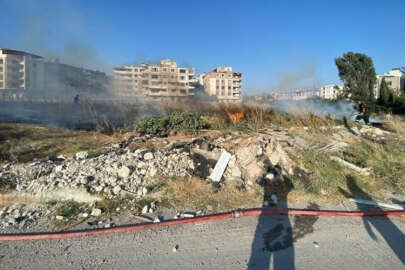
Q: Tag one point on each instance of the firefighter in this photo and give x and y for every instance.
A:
(363, 112)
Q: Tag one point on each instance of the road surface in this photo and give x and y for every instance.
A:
(266, 242)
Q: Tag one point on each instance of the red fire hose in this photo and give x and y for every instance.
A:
(234, 214)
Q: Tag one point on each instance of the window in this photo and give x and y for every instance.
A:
(135, 69)
(217, 81)
(217, 87)
(155, 76)
(229, 88)
(1, 61)
(223, 81)
(154, 69)
(1, 69)
(1, 84)
(223, 87)
(222, 93)
(182, 77)
(174, 90)
(165, 69)
(182, 70)
(183, 91)
(172, 70)
(1, 77)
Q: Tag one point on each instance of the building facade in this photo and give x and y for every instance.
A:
(164, 79)
(331, 91)
(223, 83)
(24, 74)
(19, 71)
(395, 79)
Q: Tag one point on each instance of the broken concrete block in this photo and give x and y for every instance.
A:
(95, 212)
(220, 166)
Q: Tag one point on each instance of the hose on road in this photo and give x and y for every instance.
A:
(234, 214)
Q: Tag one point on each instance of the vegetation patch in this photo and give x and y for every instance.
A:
(176, 121)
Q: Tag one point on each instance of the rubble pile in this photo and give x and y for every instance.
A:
(19, 215)
(108, 174)
(134, 171)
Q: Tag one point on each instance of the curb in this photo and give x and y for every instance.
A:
(233, 214)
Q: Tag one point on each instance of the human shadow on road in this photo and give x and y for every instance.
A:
(274, 235)
(388, 230)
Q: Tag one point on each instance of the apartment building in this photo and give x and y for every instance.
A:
(395, 79)
(223, 83)
(331, 91)
(164, 79)
(30, 75)
(19, 71)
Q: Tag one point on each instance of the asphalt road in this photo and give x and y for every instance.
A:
(267, 242)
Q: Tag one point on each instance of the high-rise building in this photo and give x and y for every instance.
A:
(164, 79)
(223, 83)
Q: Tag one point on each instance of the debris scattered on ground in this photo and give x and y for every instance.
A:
(362, 171)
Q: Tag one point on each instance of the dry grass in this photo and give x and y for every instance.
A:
(23, 142)
(198, 194)
(395, 124)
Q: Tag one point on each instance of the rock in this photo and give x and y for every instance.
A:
(144, 191)
(210, 208)
(269, 176)
(175, 248)
(116, 190)
(145, 209)
(95, 212)
(266, 203)
(59, 217)
(148, 156)
(124, 172)
(156, 220)
(81, 155)
(316, 244)
(84, 215)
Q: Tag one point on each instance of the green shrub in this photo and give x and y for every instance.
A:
(176, 121)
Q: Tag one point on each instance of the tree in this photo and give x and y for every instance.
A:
(357, 72)
(384, 98)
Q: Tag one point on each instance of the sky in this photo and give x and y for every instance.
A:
(277, 45)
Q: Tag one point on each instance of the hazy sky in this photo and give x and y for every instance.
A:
(276, 44)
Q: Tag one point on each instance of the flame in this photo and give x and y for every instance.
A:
(235, 116)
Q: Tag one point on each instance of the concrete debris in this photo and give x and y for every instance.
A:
(145, 209)
(188, 214)
(81, 155)
(96, 212)
(220, 167)
(362, 171)
(316, 244)
(59, 217)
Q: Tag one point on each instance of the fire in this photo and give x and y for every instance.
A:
(235, 116)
